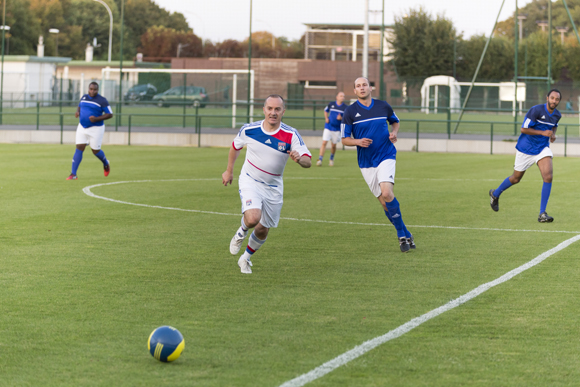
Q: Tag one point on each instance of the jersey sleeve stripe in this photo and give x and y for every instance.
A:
(370, 119)
(526, 123)
(233, 146)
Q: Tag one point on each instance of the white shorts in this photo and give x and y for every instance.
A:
(385, 172)
(524, 161)
(269, 200)
(329, 135)
(92, 135)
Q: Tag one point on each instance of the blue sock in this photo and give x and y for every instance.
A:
(502, 187)
(77, 158)
(101, 156)
(396, 217)
(407, 233)
(546, 189)
(332, 156)
(320, 158)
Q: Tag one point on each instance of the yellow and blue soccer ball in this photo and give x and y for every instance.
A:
(165, 343)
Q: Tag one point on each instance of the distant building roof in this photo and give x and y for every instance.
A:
(31, 58)
(343, 26)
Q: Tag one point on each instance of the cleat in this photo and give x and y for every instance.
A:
(107, 169)
(236, 242)
(493, 202)
(319, 163)
(72, 177)
(331, 163)
(244, 265)
(404, 245)
(411, 242)
(545, 218)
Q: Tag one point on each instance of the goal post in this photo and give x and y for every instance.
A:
(220, 87)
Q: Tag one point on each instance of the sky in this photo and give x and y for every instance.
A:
(218, 20)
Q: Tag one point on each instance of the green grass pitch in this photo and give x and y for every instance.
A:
(84, 281)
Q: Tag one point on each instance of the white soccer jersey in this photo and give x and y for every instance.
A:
(267, 152)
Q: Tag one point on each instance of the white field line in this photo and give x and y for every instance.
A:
(87, 191)
(365, 347)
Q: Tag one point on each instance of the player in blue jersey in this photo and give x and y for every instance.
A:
(533, 147)
(366, 124)
(332, 116)
(269, 143)
(93, 110)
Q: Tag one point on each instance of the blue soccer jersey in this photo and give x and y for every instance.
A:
(93, 106)
(537, 118)
(333, 109)
(370, 122)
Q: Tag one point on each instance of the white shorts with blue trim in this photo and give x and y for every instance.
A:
(269, 200)
(384, 173)
(524, 161)
(93, 135)
(329, 135)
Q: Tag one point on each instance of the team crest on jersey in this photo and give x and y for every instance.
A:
(282, 146)
(249, 202)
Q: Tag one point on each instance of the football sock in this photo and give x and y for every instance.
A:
(101, 156)
(332, 156)
(76, 161)
(395, 212)
(254, 244)
(407, 233)
(502, 187)
(320, 158)
(546, 189)
(244, 227)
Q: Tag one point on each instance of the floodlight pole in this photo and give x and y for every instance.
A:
(110, 26)
(477, 70)
(2, 70)
(549, 44)
(365, 58)
(117, 121)
(382, 92)
(516, 71)
(249, 64)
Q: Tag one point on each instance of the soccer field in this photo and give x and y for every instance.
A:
(85, 280)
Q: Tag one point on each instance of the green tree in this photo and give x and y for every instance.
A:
(423, 45)
(24, 28)
(159, 41)
(498, 63)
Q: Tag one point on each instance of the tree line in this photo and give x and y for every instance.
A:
(426, 45)
(148, 29)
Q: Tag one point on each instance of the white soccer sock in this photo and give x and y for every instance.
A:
(244, 228)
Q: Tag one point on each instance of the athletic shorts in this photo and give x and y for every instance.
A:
(254, 194)
(524, 161)
(92, 135)
(330, 135)
(385, 172)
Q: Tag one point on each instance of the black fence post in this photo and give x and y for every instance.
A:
(491, 140)
(417, 144)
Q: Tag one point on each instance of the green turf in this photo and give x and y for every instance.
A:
(84, 281)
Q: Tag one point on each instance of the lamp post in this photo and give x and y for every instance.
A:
(562, 31)
(521, 19)
(4, 27)
(110, 26)
(55, 31)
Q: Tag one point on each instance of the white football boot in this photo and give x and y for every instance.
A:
(236, 242)
(244, 265)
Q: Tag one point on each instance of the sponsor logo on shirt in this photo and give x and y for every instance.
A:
(357, 115)
(543, 117)
(268, 141)
(249, 202)
(282, 146)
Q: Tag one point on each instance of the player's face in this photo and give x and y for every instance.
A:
(553, 100)
(340, 98)
(362, 89)
(274, 110)
(93, 90)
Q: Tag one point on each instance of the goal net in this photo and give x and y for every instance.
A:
(226, 92)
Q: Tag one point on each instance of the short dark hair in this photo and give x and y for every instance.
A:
(275, 96)
(94, 83)
(554, 90)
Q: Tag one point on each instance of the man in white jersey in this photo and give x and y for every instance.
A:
(270, 143)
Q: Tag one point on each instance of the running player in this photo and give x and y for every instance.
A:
(333, 113)
(270, 143)
(366, 125)
(93, 110)
(533, 147)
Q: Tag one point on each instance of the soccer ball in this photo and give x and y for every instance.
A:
(165, 343)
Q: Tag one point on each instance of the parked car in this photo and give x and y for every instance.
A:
(138, 93)
(194, 96)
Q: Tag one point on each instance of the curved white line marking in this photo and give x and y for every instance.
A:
(87, 191)
(365, 347)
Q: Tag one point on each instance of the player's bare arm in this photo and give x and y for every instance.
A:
(362, 142)
(303, 161)
(553, 136)
(394, 132)
(228, 175)
(78, 112)
(546, 133)
(326, 118)
(104, 117)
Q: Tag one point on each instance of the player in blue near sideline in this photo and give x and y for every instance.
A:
(366, 124)
(93, 110)
(270, 143)
(333, 116)
(533, 147)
